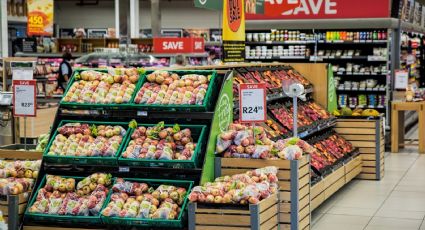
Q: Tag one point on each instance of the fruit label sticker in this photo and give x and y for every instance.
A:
(24, 98)
(252, 102)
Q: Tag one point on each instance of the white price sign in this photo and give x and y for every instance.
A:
(24, 98)
(252, 104)
(401, 79)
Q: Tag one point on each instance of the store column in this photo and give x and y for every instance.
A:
(3, 29)
(134, 19)
(155, 18)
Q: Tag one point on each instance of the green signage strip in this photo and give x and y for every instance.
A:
(332, 97)
(223, 117)
(209, 4)
(257, 7)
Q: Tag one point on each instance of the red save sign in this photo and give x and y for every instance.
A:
(24, 98)
(323, 9)
(252, 103)
(178, 45)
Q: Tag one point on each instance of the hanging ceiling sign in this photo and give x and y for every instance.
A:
(40, 18)
(323, 9)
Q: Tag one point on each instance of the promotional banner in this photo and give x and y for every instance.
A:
(251, 6)
(233, 31)
(323, 9)
(332, 97)
(178, 45)
(40, 17)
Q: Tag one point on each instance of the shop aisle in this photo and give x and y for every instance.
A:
(396, 202)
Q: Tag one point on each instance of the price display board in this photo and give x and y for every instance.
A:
(252, 103)
(24, 98)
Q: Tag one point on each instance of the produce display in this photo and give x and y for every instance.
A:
(60, 195)
(248, 188)
(345, 111)
(330, 149)
(15, 186)
(42, 142)
(85, 140)
(240, 142)
(139, 200)
(308, 114)
(95, 87)
(19, 169)
(272, 78)
(168, 88)
(161, 143)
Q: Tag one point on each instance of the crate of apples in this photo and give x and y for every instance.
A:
(175, 89)
(85, 143)
(248, 188)
(147, 202)
(116, 86)
(65, 199)
(164, 145)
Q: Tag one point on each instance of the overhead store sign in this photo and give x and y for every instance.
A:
(233, 31)
(178, 45)
(40, 18)
(323, 9)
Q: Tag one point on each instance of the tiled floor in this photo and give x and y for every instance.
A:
(395, 202)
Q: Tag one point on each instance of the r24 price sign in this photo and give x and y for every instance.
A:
(252, 103)
(24, 98)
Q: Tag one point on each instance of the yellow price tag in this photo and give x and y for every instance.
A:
(35, 20)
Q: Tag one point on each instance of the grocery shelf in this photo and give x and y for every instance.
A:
(362, 89)
(281, 42)
(354, 42)
(365, 107)
(359, 74)
(277, 58)
(300, 24)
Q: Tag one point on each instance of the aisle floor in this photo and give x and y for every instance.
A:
(395, 202)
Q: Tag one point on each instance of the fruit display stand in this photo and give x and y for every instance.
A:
(294, 183)
(253, 217)
(124, 113)
(334, 181)
(13, 206)
(366, 133)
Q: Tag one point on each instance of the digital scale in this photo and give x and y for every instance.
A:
(6, 98)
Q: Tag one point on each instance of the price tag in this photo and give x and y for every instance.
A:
(142, 113)
(252, 107)
(124, 169)
(24, 98)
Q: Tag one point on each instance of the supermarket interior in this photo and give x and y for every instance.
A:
(212, 114)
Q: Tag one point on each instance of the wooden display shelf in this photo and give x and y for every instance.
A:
(294, 183)
(330, 184)
(13, 207)
(38, 125)
(261, 216)
(55, 228)
(367, 135)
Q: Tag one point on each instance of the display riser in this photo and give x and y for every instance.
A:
(334, 181)
(261, 216)
(367, 135)
(294, 183)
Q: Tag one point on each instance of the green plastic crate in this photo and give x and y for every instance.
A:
(207, 104)
(177, 223)
(63, 219)
(76, 105)
(81, 160)
(199, 134)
